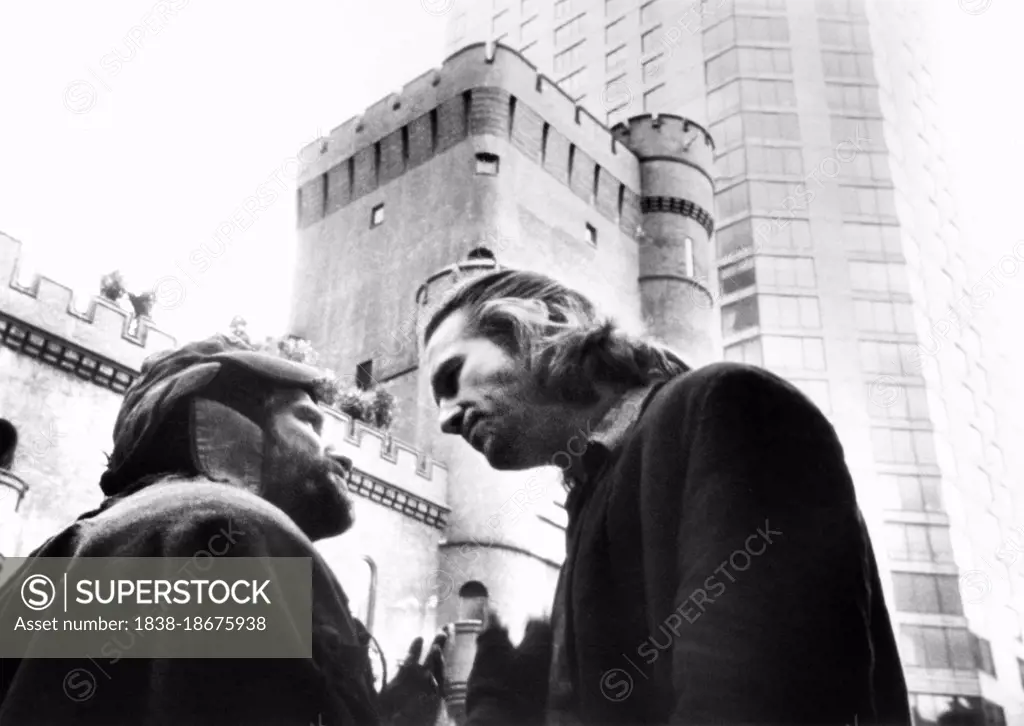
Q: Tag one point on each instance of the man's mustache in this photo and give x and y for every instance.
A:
(338, 465)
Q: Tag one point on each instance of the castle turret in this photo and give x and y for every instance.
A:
(676, 260)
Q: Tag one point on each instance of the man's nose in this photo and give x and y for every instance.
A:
(450, 417)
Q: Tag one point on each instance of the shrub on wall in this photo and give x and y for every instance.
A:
(374, 406)
(112, 286)
(143, 303)
(114, 289)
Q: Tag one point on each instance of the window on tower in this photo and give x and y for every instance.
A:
(459, 28)
(758, 5)
(737, 276)
(790, 311)
(883, 316)
(569, 31)
(652, 68)
(908, 542)
(878, 277)
(654, 99)
(927, 593)
(377, 215)
(480, 253)
(528, 31)
(844, 97)
(487, 164)
(569, 59)
(574, 83)
(840, 7)
(792, 352)
(786, 272)
(614, 8)
(473, 598)
(648, 12)
(530, 52)
(749, 351)
(616, 115)
(591, 234)
(756, 93)
(649, 41)
(500, 23)
(983, 655)
(927, 646)
(903, 446)
(615, 32)
(739, 316)
(760, 30)
(837, 33)
(911, 492)
(364, 375)
(615, 59)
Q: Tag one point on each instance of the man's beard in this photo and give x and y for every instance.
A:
(310, 490)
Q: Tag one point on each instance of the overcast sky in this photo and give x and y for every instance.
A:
(129, 136)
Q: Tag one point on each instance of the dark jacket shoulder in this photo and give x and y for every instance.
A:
(198, 519)
(717, 386)
(726, 403)
(172, 516)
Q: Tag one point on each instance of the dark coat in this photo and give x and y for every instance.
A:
(719, 570)
(181, 518)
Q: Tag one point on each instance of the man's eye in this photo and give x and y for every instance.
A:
(450, 381)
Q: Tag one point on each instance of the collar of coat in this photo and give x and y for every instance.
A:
(611, 430)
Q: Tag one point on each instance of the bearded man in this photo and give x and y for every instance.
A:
(217, 443)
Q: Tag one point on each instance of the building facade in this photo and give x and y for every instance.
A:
(841, 265)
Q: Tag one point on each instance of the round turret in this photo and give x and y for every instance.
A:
(677, 205)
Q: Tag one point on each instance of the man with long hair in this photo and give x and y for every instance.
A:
(718, 569)
(218, 449)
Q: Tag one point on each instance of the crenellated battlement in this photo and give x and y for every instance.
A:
(387, 459)
(480, 66)
(666, 135)
(103, 330)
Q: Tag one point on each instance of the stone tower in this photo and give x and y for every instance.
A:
(676, 287)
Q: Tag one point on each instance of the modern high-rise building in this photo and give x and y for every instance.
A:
(841, 265)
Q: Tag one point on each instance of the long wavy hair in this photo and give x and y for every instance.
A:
(565, 341)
